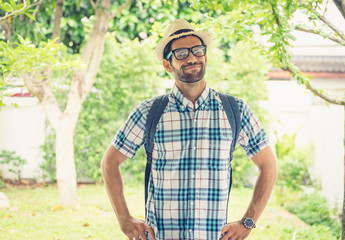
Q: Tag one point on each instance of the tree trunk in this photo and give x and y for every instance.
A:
(57, 19)
(65, 165)
(82, 80)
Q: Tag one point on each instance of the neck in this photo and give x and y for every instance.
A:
(191, 91)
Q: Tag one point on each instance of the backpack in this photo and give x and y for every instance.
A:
(230, 107)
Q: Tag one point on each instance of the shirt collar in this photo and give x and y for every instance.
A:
(184, 103)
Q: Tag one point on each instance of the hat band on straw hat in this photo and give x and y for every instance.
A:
(181, 31)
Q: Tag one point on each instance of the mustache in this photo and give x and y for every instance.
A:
(191, 64)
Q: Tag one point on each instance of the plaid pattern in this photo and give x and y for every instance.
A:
(190, 177)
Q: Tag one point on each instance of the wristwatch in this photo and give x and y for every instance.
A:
(248, 222)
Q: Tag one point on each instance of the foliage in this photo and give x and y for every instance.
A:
(128, 75)
(26, 61)
(72, 32)
(14, 162)
(12, 8)
(269, 25)
(133, 22)
(312, 208)
(26, 57)
(293, 162)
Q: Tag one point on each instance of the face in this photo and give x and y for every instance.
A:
(191, 69)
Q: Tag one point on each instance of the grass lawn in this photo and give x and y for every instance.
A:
(36, 214)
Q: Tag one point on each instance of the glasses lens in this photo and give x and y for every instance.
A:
(181, 53)
(199, 51)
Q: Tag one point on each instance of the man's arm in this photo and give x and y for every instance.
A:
(133, 228)
(268, 172)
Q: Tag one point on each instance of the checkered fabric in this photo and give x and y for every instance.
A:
(190, 176)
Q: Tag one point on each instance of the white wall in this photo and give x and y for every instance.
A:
(22, 131)
(294, 110)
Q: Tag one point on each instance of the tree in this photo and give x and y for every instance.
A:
(271, 20)
(40, 59)
(63, 121)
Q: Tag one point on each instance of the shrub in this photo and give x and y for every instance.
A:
(313, 209)
(14, 162)
(293, 162)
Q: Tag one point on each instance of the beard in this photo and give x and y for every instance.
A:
(194, 76)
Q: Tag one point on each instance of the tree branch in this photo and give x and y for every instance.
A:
(15, 12)
(120, 8)
(331, 26)
(39, 4)
(317, 92)
(299, 75)
(57, 19)
(320, 33)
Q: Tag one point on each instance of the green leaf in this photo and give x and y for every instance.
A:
(7, 7)
(29, 15)
(19, 6)
(13, 3)
(71, 22)
(290, 36)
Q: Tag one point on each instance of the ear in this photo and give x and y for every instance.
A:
(205, 60)
(167, 66)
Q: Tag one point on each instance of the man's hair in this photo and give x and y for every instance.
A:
(167, 48)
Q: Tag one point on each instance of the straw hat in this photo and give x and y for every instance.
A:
(177, 29)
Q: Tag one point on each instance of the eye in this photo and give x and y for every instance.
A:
(180, 53)
(199, 50)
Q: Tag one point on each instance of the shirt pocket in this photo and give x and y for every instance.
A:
(219, 155)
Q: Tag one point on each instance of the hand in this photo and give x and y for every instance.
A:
(136, 228)
(235, 231)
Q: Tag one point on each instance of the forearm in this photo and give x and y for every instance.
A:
(114, 186)
(261, 194)
(268, 172)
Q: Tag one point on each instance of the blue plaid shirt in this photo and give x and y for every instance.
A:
(190, 177)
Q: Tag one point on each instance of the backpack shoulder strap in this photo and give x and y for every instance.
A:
(153, 117)
(234, 116)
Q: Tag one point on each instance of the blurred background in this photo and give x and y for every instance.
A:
(72, 71)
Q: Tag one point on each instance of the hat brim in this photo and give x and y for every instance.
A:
(205, 36)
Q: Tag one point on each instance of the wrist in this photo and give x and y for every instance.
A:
(123, 219)
(248, 222)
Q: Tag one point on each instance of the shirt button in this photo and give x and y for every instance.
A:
(182, 108)
(193, 176)
(190, 230)
(192, 203)
(194, 148)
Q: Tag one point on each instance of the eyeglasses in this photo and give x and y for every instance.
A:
(183, 53)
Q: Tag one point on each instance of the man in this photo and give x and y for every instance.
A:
(190, 174)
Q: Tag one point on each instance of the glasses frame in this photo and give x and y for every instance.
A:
(189, 50)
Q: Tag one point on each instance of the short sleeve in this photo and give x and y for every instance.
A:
(252, 137)
(131, 136)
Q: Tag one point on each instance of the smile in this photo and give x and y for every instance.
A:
(192, 67)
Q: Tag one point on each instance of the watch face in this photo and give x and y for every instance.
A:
(248, 222)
